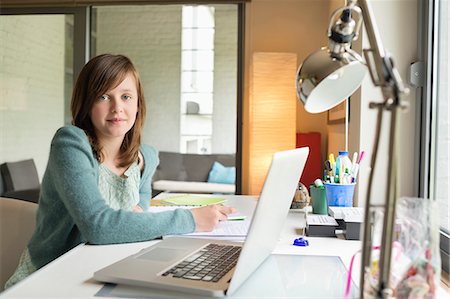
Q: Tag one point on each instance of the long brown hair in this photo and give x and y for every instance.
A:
(100, 74)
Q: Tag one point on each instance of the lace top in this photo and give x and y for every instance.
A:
(120, 192)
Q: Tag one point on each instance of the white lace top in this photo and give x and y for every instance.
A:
(120, 192)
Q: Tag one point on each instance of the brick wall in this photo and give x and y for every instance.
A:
(31, 86)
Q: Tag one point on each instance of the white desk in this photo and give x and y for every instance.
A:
(71, 274)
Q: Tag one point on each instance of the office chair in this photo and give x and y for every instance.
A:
(17, 223)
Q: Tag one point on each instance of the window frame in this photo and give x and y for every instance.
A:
(82, 48)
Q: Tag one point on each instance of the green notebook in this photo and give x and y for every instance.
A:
(192, 200)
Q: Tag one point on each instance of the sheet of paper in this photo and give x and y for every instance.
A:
(234, 229)
(313, 219)
(348, 214)
(155, 209)
(227, 229)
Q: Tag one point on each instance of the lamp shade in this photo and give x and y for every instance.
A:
(324, 80)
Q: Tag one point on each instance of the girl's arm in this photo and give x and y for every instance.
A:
(148, 162)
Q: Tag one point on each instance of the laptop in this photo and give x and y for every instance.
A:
(216, 267)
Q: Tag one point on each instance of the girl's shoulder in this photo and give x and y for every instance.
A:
(70, 132)
(149, 152)
(73, 140)
(151, 158)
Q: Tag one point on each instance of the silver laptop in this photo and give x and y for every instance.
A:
(216, 267)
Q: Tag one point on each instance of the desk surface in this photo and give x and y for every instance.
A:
(71, 274)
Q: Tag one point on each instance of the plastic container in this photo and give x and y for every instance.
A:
(343, 163)
(319, 200)
(339, 195)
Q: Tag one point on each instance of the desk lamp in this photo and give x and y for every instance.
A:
(330, 75)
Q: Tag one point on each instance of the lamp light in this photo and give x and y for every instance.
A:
(325, 81)
(327, 77)
(273, 112)
(333, 73)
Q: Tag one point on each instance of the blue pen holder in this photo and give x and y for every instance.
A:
(339, 195)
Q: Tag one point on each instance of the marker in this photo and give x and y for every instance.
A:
(318, 183)
(355, 158)
(331, 158)
(355, 171)
(361, 156)
(236, 218)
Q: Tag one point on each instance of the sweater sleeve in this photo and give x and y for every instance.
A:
(151, 161)
(75, 179)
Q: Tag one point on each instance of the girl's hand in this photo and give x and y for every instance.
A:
(206, 218)
(137, 209)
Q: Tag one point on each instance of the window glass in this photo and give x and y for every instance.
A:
(187, 59)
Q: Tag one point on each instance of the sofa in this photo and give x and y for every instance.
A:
(20, 180)
(189, 173)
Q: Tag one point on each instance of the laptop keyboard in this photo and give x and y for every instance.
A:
(210, 263)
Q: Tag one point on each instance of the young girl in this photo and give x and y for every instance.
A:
(98, 176)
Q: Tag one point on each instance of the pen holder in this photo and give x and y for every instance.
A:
(319, 200)
(339, 195)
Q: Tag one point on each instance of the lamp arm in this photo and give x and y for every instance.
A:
(385, 76)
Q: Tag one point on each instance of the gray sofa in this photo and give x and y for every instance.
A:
(20, 180)
(178, 172)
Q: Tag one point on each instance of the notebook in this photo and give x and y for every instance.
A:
(153, 266)
(191, 200)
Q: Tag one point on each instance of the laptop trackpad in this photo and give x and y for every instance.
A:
(162, 254)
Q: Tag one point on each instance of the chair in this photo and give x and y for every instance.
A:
(17, 223)
(20, 180)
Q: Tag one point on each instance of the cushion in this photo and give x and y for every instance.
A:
(170, 167)
(221, 174)
(21, 175)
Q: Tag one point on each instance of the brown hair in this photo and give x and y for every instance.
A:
(100, 74)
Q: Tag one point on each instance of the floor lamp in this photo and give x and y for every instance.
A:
(332, 74)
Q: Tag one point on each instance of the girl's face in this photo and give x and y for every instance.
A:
(114, 113)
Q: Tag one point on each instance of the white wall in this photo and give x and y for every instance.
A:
(32, 52)
(397, 23)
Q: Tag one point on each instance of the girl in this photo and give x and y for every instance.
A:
(98, 176)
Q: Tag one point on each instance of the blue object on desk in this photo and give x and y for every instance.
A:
(301, 242)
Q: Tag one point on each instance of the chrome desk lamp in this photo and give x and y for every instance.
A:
(326, 78)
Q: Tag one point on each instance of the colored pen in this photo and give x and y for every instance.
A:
(355, 158)
(331, 158)
(361, 157)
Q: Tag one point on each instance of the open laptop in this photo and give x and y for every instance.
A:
(181, 264)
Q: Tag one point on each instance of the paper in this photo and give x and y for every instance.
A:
(313, 219)
(235, 228)
(226, 229)
(348, 214)
(192, 200)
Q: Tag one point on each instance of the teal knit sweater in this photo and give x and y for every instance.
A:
(72, 211)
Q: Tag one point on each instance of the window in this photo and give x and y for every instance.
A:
(197, 79)
(187, 59)
(441, 114)
(436, 117)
